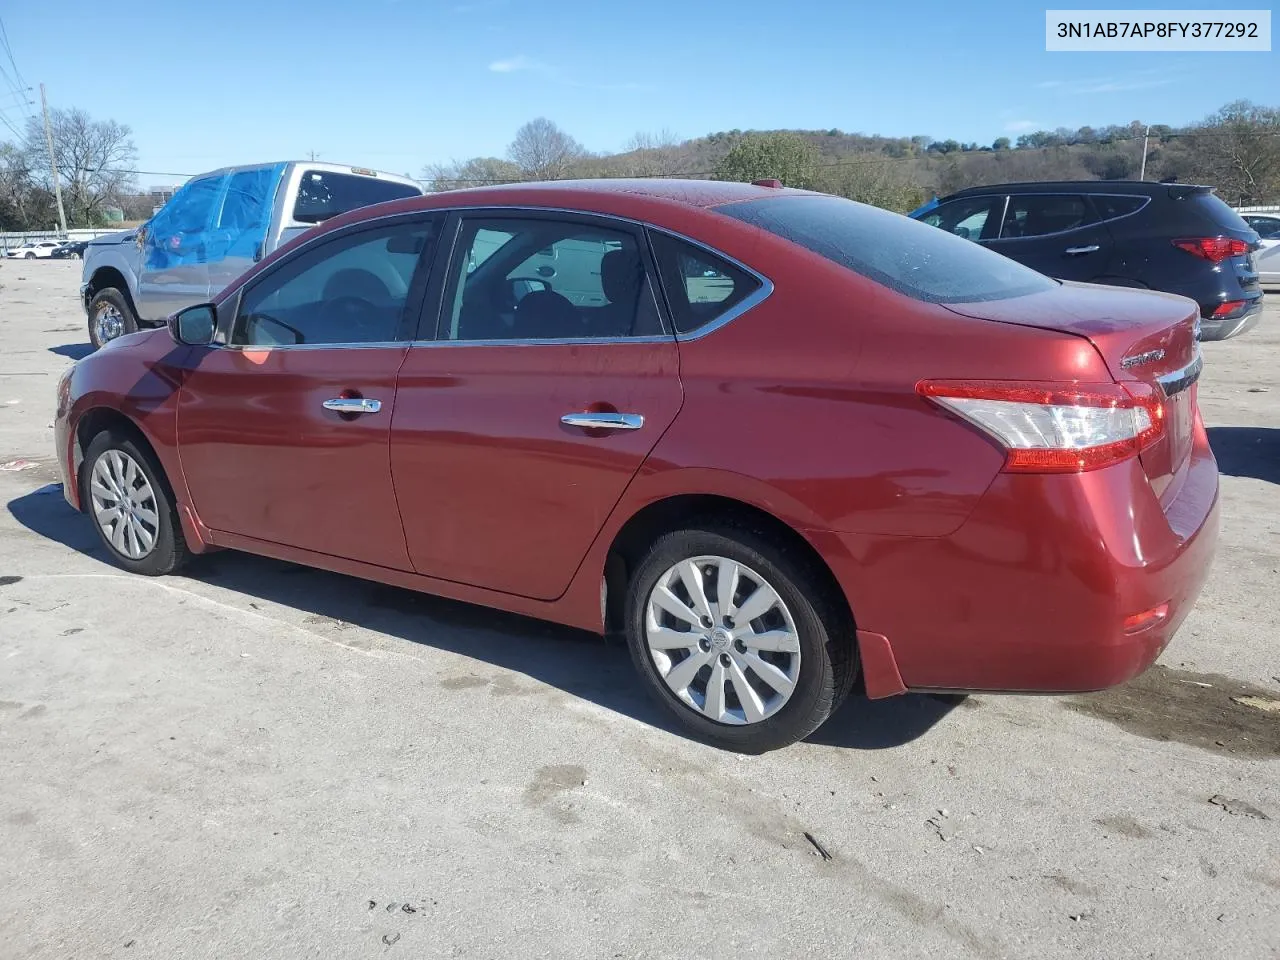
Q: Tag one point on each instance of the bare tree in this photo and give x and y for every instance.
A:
(95, 161)
(1238, 150)
(543, 151)
(476, 172)
(652, 154)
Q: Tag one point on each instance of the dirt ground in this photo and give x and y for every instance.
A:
(258, 760)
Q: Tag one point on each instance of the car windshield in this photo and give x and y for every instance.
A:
(907, 256)
(323, 194)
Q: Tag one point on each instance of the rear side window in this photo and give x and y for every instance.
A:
(323, 194)
(1037, 215)
(700, 286)
(907, 256)
(1109, 207)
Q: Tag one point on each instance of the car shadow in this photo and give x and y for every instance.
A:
(574, 661)
(76, 351)
(1247, 451)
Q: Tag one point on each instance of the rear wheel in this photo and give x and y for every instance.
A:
(110, 316)
(30, 255)
(132, 506)
(734, 635)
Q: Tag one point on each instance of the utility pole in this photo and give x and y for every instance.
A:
(48, 139)
(312, 156)
(1142, 175)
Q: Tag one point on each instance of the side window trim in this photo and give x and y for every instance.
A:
(751, 300)
(231, 304)
(431, 324)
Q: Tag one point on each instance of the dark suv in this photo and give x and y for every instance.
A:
(1177, 238)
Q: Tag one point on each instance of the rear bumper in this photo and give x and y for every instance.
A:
(1031, 593)
(1225, 329)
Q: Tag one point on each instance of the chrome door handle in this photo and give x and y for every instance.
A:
(604, 421)
(1076, 251)
(352, 405)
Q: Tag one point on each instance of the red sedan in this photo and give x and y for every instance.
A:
(777, 439)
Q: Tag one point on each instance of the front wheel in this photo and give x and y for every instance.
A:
(736, 637)
(30, 256)
(124, 490)
(110, 316)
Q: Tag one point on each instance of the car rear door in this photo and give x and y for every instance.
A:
(240, 228)
(1059, 234)
(544, 378)
(283, 431)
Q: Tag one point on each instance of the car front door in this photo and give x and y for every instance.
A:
(974, 218)
(174, 268)
(1058, 234)
(550, 378)
(283, 431)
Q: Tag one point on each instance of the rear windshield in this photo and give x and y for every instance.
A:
(907, 256)
(323, 194)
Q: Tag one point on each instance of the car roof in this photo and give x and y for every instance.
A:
(629, 198)
(1145, 188)
(322, 165)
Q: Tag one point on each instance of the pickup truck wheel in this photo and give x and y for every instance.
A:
(110, 316)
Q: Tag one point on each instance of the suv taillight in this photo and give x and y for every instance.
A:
(1056, 427)
(1213, 249)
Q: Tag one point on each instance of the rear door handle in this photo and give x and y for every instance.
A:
(604, 421)
(352, 405)
(1077, 251)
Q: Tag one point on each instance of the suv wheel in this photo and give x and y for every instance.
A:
(734, 637)
(110, 316)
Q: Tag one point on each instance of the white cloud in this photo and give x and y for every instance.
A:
(1106, 84)
(516, 64)
(1023, 126)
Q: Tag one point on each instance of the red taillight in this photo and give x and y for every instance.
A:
(1137, 622)
(1213, 249)
(1231, 306)
(1056, 427)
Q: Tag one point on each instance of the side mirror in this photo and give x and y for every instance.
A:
(194, 326)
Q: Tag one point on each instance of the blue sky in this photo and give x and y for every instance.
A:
(395, 84)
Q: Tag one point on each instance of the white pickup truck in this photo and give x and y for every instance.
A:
(211, 231)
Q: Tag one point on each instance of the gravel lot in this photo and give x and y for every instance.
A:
(259, 760)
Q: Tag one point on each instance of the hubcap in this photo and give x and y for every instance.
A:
(723, 640)
(124, 504)
(108, 322)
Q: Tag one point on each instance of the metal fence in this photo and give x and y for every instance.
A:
(10, 240)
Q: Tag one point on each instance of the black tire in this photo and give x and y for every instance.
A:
(30, 256)
(828, 650)
(170, 549)
(113, 298)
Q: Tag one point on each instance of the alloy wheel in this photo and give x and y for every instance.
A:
(124, 505)
(108, 323)
(722, 640)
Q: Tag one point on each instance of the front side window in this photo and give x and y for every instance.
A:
(542, 279)
(902, 254)
(324, 193)
(1036, 215)
(349, 290)
(191, 208)
(700, 286)
(967, 217)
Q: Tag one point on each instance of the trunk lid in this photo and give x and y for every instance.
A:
(1143, 337)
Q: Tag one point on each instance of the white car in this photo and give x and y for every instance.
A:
(37, 248)
(1266, 260)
